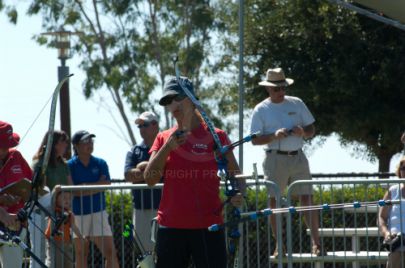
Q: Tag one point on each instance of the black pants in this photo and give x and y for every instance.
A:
(174, 247)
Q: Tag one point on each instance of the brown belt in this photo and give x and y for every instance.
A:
(284, 152)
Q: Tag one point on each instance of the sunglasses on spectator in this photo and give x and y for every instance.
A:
(86, 141)
(144, 125)
(177, 98)
(278, 89)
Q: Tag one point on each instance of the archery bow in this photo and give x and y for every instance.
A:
(231, 187)
(40, 171)
(24, 213)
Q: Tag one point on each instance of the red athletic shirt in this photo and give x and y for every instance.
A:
(190, 198)
(15, 169)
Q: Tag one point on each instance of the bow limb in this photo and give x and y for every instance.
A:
(51, 126)
(200, 109)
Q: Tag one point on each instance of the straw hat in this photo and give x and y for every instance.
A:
(276, 78)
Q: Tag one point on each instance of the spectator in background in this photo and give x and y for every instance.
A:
(89, 207)
(13, 168)
(60, 250)
(391, 220)
(403, 138)
(56, 174)
(146, 202)
(284, 122)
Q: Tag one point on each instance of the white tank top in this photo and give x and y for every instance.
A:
(397, 215)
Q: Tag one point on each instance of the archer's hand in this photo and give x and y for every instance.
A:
(237, 200)
(176, 139)
(9, 220)
(9, 200)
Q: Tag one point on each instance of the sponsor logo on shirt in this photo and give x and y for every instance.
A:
(16, 169)
(199, 148)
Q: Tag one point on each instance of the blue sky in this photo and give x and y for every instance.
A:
(28, 76)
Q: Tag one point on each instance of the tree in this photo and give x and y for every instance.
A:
(125, 42)
(11, 11)
(178, 28)
(348, 69)
(109, 57)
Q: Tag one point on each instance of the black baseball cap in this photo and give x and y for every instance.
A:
(81, 135)
(173, 88)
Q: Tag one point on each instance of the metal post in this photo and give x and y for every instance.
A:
(62, 43)
(241, 89)
(241, 97)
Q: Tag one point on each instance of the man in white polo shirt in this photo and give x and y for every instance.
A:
(285, 122)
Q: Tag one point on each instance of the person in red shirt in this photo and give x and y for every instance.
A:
(190, 203)
(13, 168)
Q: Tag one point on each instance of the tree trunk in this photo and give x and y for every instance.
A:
(384, 160)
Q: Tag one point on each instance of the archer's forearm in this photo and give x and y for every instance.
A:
(154, 170)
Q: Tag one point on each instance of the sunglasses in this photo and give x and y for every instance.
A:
(170, 99)
(278, 89)
(144, 125)
(86, 141)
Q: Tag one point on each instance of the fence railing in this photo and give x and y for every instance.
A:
(349, 234)
(257, 242)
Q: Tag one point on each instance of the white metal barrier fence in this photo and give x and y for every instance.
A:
(349, 236)
(256, 235)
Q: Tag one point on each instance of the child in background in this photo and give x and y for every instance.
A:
(60, 249)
